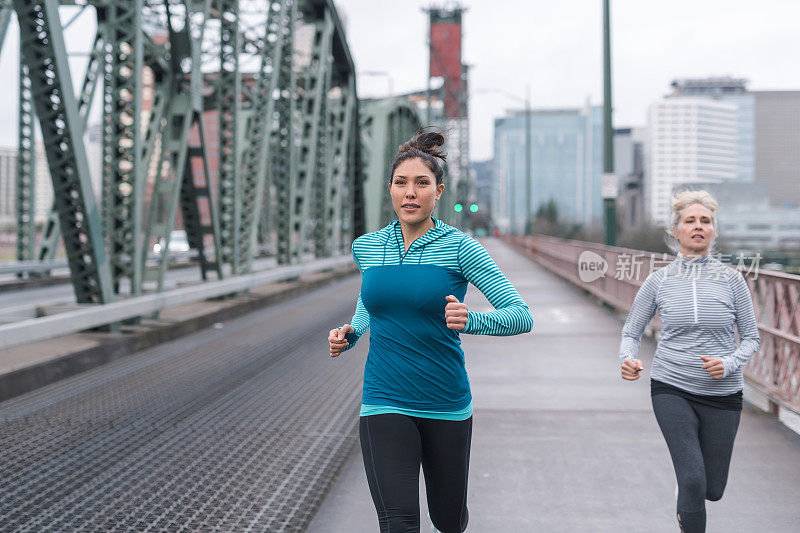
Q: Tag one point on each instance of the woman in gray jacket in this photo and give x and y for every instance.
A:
(696, 379)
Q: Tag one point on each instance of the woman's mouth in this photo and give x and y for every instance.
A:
(410, 207)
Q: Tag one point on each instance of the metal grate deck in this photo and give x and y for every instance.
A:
(241, 428)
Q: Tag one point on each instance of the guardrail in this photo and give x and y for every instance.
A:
(774, 371)
(37, 329)
(18, 267)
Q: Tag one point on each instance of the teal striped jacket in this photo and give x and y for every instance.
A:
(415, 363)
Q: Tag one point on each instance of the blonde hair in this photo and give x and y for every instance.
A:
(681, 201)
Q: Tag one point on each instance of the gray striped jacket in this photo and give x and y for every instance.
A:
(698, 301)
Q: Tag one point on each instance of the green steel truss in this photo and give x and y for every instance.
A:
(277, 78)
(311, 189)
(283, 157)
(44, 52)
(26, 175)
(386, 124)
(332, 194)
(122, 108)
(229, 95)
(25, 182)
(51, 233)
(175, 180)
(276, 54)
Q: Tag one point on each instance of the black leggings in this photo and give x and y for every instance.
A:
(393, 446)
(700, 441)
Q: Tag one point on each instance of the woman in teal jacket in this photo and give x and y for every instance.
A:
(416, 403)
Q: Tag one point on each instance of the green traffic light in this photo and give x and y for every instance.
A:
(474, 208)
(457, 208)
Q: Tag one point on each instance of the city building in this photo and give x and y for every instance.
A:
(692, 140)
(485, 185)
(748, 221)
(43, 187)
(566, 165)
(629, 166)
(8, 190)
(777, 145)
(733, 91)
(768, 132)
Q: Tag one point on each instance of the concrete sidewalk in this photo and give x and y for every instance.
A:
(562, 444)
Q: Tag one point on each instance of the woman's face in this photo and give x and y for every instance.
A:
(695, 230)
(414, 191)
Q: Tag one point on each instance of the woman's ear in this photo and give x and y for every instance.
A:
(439, 190)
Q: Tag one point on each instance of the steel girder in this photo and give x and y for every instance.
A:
(333, 192)
(314, 138)
(26, 171)
(175, 182)
(325, 108)
(52, 233)
(44, 52)
(290, 170)
(284, 162)
(229, 95)
(386, 124)
(122, 154)
(275, 73)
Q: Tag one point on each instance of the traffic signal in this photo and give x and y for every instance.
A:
(458, 208)
(473, 208)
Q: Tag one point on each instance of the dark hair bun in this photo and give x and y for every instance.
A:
(430, 142)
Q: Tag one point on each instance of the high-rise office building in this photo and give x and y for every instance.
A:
(566, 165)
(768, 132)
(777, 146)
(733, 91)
(692, 140)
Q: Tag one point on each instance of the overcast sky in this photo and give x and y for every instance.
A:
(554, 45)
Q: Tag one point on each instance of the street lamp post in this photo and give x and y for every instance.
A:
(609, 185)
(527, 159)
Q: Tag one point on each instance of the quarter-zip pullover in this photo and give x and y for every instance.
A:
(415, 362)
(698, 300)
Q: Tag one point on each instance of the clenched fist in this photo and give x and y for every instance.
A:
(713, 366)
(337, 341)
(631, 369)
(455, 313)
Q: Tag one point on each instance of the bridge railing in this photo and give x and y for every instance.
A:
(774, 371)
(92, 316)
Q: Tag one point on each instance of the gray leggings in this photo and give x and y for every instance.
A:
(700, 441)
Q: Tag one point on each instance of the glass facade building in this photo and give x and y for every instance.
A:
(566, 165)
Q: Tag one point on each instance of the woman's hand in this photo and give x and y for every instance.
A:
(337, 341)
(455, 313)
(714, 367)
(631, 369)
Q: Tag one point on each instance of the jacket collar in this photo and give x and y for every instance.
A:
(439, 229)
(703, 259)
